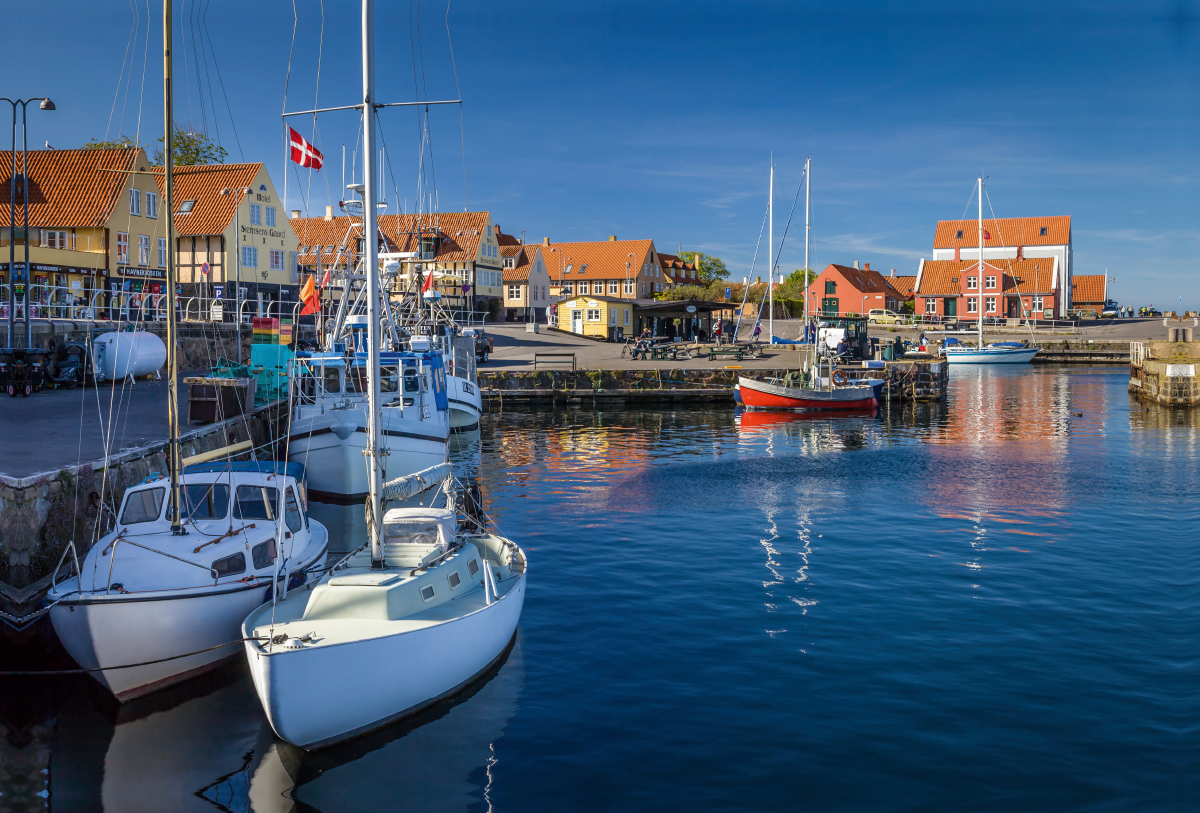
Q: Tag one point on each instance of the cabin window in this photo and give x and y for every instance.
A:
(255, 502)
(830, 287)
(356, 379)
(389, 381)
(205, 501)
(143, 506)
(411, 383)
(427, 592)
(411, 533)
(455, 581)
(473, 566)
(333, 380)
(308, 386)
(229, 566)
(291, 513)
(263, 554)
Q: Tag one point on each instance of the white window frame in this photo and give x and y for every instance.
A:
(972, 283)
(122, 247)
(584, 288)
(135, 202)
(249, 256)
(568, 288)
(612, 287)
(972, 304)
(629, 287)
(593, 314)
(152, 204)
(990, 303)
(1037, 303)
(270, 211)
(255, 214)
(931, 304)
(514, 292)
(162, 252)
(144, 249)
(276, 259)
(990, 282)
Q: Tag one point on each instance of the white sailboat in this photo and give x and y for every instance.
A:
(1000, 352)
(417, 613)
(159, 598)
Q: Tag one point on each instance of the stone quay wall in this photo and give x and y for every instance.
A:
(1166, 373)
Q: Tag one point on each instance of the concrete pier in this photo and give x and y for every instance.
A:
(1166, 372)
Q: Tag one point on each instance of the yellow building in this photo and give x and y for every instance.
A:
(598, 317)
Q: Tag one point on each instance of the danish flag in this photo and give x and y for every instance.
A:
(303, 153)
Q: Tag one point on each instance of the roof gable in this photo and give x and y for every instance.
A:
(70, 188)
(213, 212)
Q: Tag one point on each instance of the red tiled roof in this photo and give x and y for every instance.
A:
(904, 285)
(1089, 288)
(329, 235)
(525, 258)
(945, 277)
(603, 259)
(1004, 231)
(70, 188)
(212, 212)
(864, 279)
(506, 239)
(461, 233)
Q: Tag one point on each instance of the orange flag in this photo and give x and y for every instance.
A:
(308, 295)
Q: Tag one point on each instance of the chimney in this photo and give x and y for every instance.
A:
(867, 266)
(612, 238)
(1020, 252)
(758, 281)
(545, 241)
(329, 213)
(856, 265)
(893, 273)
(295, 214)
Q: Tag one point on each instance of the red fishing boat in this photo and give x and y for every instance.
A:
(782, 394)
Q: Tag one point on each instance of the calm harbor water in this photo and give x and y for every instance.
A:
(989, 604)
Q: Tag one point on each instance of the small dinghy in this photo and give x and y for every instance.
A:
(788, 393)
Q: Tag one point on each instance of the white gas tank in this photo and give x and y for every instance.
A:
(120, 354)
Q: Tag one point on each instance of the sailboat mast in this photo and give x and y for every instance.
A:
(771, 254)
(979, 279)
(173, 461)
(370, 255)
(807, 206)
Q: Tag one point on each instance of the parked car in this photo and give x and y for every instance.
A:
(483, 343)
(1111, 311)
(1150, 312)
(882, 316)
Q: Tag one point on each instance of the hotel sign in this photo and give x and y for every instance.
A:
(139, 271)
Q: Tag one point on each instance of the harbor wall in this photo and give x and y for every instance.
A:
(1165, 373)
(41, 513)
(907, 380)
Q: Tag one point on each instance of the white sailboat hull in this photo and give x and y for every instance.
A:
(331, 447)
(466, 404)
(394, 675)
(104, 630)
(991, 355)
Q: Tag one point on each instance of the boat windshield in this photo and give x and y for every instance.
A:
(205, 501)
(356, 379)
(143, 506)
(255, 502)
(411, 533)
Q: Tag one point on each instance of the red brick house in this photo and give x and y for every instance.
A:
(956, 289)
(841, 290)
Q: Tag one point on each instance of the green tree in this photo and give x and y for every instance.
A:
(711, 268)
(121, 143)
(189, 146)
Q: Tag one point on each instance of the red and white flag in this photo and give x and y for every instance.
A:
(303, 153)
(987, 235)
(325, 279)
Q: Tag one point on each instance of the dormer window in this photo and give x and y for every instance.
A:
(510, 262)
(1043, 234)
(186, 206)
(958, 236)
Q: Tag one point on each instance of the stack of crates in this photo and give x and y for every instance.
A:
(269, 359)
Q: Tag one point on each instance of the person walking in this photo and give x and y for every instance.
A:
(757, 330)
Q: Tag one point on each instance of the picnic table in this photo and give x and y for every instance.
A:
(735, 351)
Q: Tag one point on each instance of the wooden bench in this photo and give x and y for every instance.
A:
(554, 358)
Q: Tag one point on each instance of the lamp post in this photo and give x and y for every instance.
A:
(241, 192)
(46, 104)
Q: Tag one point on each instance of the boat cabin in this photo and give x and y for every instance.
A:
(401, 375)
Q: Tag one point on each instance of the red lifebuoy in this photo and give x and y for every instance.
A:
(840, 377)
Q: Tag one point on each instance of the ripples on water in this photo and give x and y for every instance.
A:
(987, 604)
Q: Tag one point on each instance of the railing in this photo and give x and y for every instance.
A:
(1137, 354)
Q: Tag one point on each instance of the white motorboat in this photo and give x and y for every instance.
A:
(437, 332)
(146, 593)
(328, 430)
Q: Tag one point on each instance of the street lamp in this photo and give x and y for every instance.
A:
(241, 192)
(46, 104)
(627, 264)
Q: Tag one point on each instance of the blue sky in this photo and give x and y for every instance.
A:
(657, 119)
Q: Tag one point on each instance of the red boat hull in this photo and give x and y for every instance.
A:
(777, 397)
